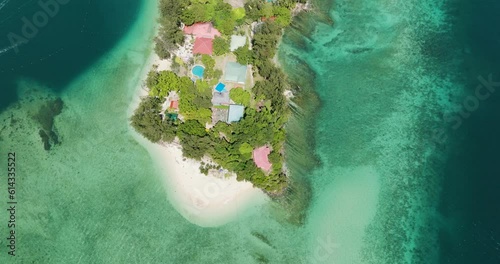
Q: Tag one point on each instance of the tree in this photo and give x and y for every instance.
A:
(176, 64)
(147, 120)
(208, 61)
(238, 15)
(204, 12)
(265, 67)
(267, 10)
(167, 81)
(170, 34)
(266, 40)
(289, 3)
(152, 79)
(244, 55)
(169, 131)
(202, 86)
(223, 19)
(245, 148)
(253, 9)
(221, 46)
(192, 127)
(240, 96)
(194, 147)
(217, 74)
(161, 50)
(283, 15)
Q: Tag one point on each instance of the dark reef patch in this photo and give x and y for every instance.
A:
(262, 238)
(359, 50)
(45, 117)
(261, 259)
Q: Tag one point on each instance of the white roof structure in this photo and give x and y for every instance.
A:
(236, 112)
(237, 41)
(235, 72)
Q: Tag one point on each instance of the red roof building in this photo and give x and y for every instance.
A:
(174, 104)
(260, 157)
(202, 30)
(203, 46)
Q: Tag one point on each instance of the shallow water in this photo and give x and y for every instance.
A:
(390, 75)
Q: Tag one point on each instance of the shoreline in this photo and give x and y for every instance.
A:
(206, 201)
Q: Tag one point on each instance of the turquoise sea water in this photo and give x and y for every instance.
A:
(407, 145)
(374, 87)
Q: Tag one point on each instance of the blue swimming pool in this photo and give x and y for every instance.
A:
(198, 71)
(220, 87)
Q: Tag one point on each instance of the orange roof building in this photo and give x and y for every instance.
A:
(203, 46)
(174, 104)
(202, 30)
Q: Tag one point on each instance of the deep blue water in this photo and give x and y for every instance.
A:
(471, 190)
(66, 44)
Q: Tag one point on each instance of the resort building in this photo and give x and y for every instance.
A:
(235, 72)
(260, 157)
(237, 41)
(203, 46)
(171, 103)
(236, 113)
(202, 30)
(204, 34)
(174, 105)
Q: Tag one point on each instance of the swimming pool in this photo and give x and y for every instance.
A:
(198, 71)
(220, 87)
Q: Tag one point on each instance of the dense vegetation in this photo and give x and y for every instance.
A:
(229, 145)
(240, 96)
(221, 46)
(196, 97)
(224, 17)
(170, 34)
(244, 55)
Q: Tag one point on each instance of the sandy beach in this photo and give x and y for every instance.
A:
(203, 200)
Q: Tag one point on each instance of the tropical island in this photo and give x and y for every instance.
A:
(223, 99)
